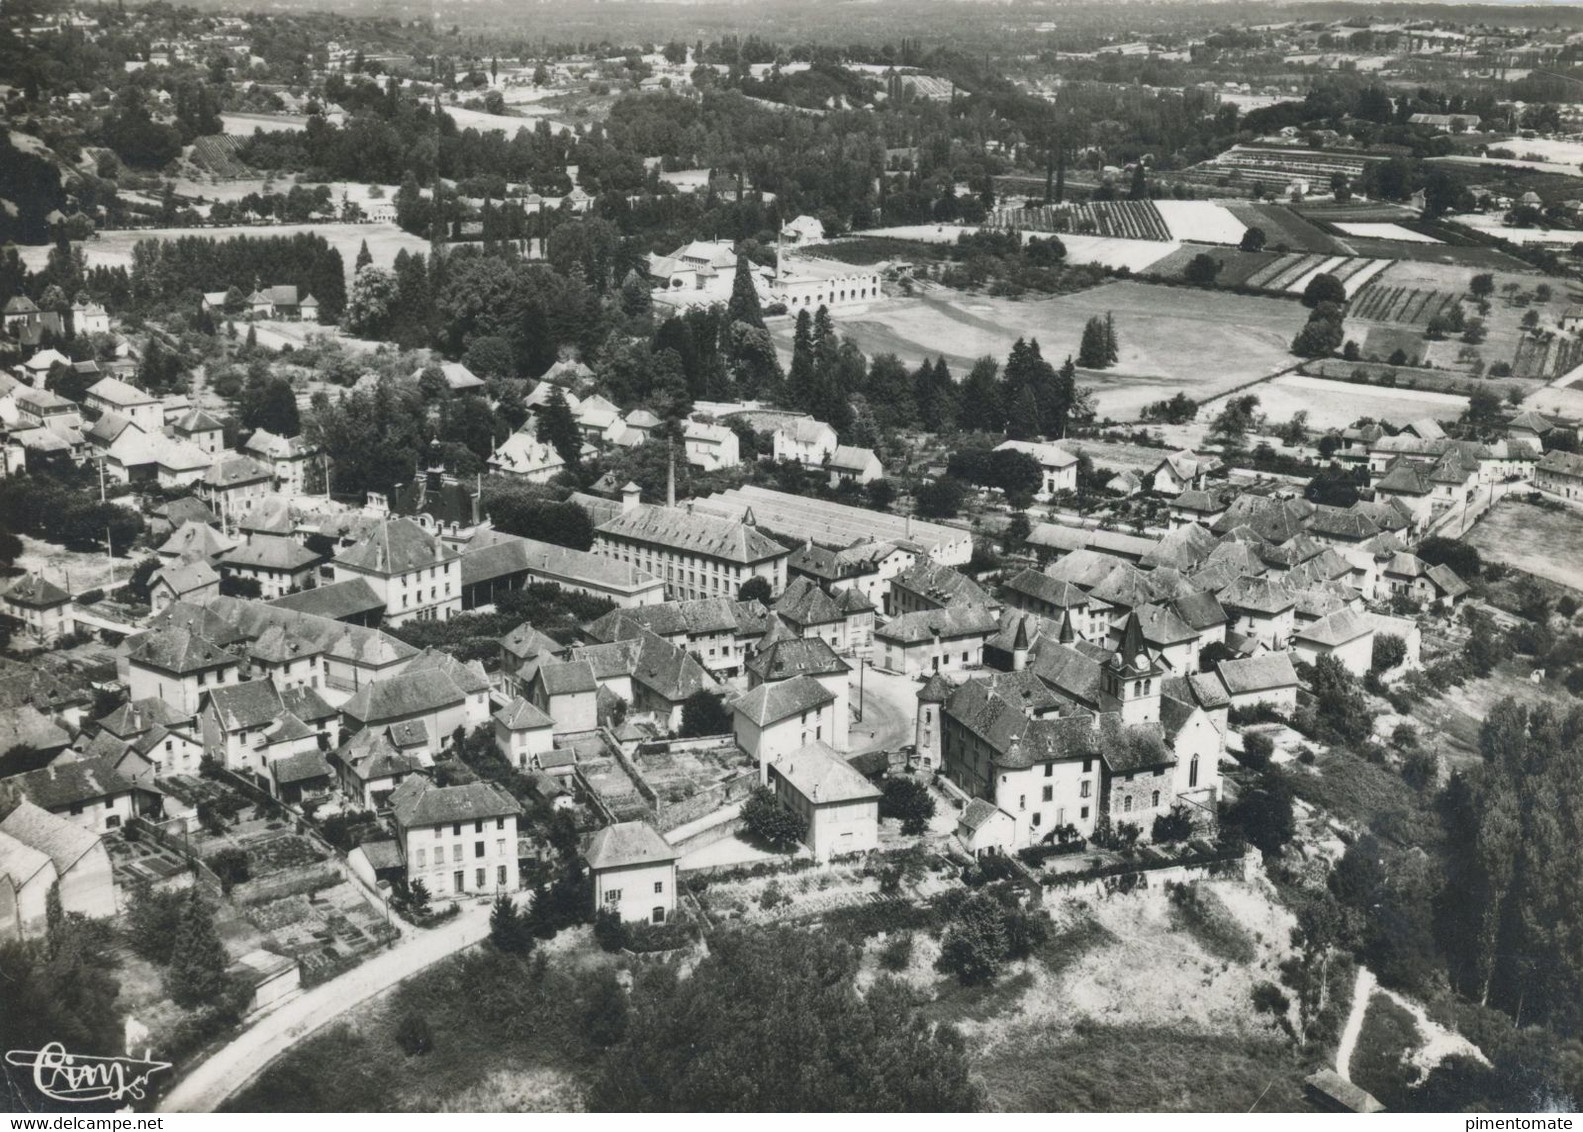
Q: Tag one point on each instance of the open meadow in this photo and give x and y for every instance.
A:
(1539, 540)
(1172, 340)
(114, 248)
(1336, 404)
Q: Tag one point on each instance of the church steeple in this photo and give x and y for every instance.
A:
(1131, 678)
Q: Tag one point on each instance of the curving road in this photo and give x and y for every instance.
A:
(229, 1069)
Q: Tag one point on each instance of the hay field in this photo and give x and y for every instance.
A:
(1336, 404)
(1546, 543)
(1172, 339)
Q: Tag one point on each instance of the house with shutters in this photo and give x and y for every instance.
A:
(523, 733)
(179, 666)
(369, 767)
(777, 718)
(88, 792)
(935, 640)
(795, 658)
(459, 841)
(839, 807)
(697, 554)
(409, 569)
(633, 870)
(43, 611)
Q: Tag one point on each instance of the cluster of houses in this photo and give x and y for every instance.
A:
(703, 273)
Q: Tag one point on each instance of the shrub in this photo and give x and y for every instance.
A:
(230, 865)
(413, 1035)
(1389, 651)
(975, 943)
(1256, 750)
(609, 931)
(897, 952)
(1172, 827)
(771, 822)
(909, 800)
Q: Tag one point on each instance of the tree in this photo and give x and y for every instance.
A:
(940, 499)
(364, 258)
(1321, 335)
(268, 402)
(1016, 473)
(1235, 420)
(1482, 286)
(1264, 812)
(197, 972)
(1484, 409)
(744, 303)
(508, 931)
(702, 1043)
(605, 1018)
(1092, 352)
(704, 713)
(1389, 651)
(756, 588)
(772, 823)
(908, 800)
(975, 943)
(558, 428)
(1173, 826)
(1203, 269)
(1462, 557)
(1324, 288)
(1253, 239)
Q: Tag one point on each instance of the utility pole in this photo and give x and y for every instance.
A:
(109, 553)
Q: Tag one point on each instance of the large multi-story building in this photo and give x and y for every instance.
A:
(458, 840)
(416, 575)
(697, 554)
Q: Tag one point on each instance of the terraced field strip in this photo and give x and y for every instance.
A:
(1286, 278)
(1262, 277)
(1329, 266)
(1367, 302)
(1360, 279)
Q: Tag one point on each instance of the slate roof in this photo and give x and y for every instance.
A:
(824, 777)
(947, 624)
(1073, 674)
(1200, 611)
(194, 539)
(36, 592)
(402, 695)
(1183, 548)
(525, 641)
(769, 703)
(522, 715)
(940, 584)
(491, 554)
(690, 532)
(1041, 587)
(304, 766)
(1335, 629)
(804, 656)
(418, 802)
(804, 603)
(562, 678)
(1257, 595)
(627, 844)
(370, 755)
(117, 392)
(64, 784)
(185, 578)
(1404, 478)
(234, 470)
(245, 706)
(978, 812)
(1161, 626)
(271, 552)
(306, 704)
(395, 546)
(1447, 581)
(1261, 673)
(63, 842)
(178, 651)
(467, 675)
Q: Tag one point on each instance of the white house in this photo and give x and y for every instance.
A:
(773, 720)
(1057, 466)
(634, 872)
(804, 440)
(839, 805)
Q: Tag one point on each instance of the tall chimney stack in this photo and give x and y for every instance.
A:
(670, 474)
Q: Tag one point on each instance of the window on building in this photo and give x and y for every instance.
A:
(1192, 773)
(421, 861)
(612, 896)
(1085, 813)
(1156, 800)
(1088, 765)
(1126, 804)
(478, 848)
(500, 875)
(456, 853)
(659, 887)
(1085, 789)
(1049, 793)
(456, 829)
(659, 915)
(458, 881)
(480, 874)
(1049, 771)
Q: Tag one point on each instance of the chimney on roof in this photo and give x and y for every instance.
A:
(629, 497)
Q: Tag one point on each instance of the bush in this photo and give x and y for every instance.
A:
(1172, 827)
(975, 943)
(772, 823)
(413, 1035)
(230, 865)
(1389, 651)
(1256, 750)
(609, 931)
(897, 952)
(910, 801)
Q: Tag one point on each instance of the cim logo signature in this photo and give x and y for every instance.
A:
(80, 1079)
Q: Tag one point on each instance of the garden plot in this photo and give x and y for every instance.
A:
(677, 775)
(1383, 231)
(1287, 265)
(244, 125)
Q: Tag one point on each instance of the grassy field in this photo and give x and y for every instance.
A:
(114, 249)
(1172, 339)
(1286, 230)
(1336, 404)
(1540, 541)
(1455, 716)
(1380, 1062)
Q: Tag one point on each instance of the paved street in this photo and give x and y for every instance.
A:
(890, 704)
(214, 1081)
